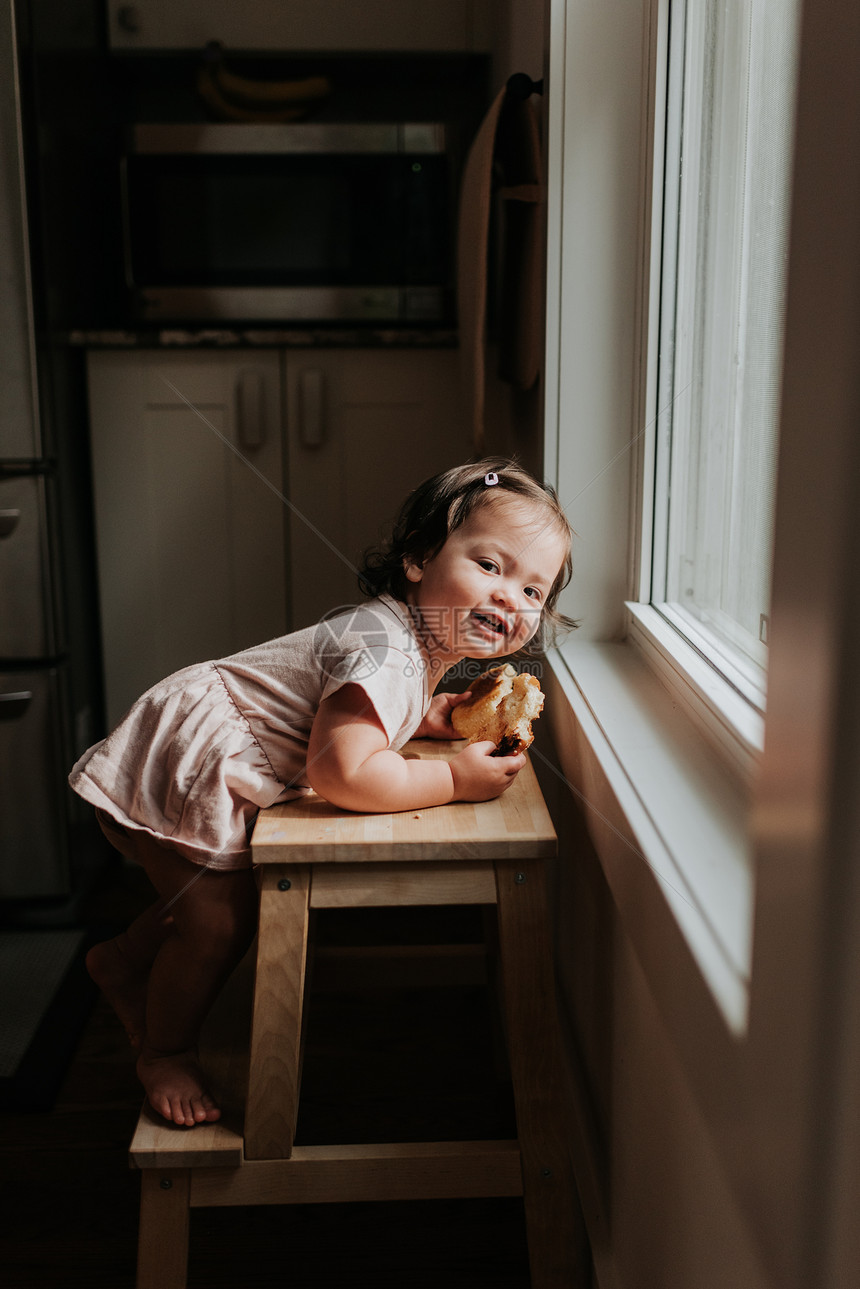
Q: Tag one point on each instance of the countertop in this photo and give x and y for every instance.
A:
(241, 337)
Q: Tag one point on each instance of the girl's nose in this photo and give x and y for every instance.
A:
(505, 595)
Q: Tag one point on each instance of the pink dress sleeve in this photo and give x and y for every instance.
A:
(393, 684)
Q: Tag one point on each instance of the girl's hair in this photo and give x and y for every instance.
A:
(441, 505)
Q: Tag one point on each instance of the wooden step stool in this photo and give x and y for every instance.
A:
(313, 856)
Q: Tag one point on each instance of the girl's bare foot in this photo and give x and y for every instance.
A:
(175, 1087)
(123, 984)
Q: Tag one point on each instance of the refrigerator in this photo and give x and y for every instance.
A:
(35, 747)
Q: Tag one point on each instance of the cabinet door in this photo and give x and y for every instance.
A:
(187, 466)
(289, 25)
(364, 428)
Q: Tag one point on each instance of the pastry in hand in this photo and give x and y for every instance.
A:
(501, 710)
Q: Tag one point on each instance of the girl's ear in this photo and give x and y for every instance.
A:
(413, 570)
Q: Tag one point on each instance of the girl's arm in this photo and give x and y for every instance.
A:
(350, 763)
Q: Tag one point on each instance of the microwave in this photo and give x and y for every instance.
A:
(298, 222)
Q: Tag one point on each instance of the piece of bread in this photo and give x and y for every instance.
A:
(501, 710)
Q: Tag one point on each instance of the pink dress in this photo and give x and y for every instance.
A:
(201, 752)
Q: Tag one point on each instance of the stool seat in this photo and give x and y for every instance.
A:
(515, 825)
(313, 855)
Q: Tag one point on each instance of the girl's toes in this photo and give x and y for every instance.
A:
(179, 1113)
(205, 1109)
(211, 1107)
(162, 1106)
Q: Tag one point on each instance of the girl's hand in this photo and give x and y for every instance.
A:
(437, 722)
(480, 776)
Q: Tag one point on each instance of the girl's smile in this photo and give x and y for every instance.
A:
(482, 594)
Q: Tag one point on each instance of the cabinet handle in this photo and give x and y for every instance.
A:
(250, 407)
(8, 522)
(312, 407)
(14, 705)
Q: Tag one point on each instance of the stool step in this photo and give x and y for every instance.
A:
(157, 1144)
(342, 1174)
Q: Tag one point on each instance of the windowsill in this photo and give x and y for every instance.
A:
(667, 815)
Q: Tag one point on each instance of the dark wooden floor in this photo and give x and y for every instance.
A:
(382, 1065)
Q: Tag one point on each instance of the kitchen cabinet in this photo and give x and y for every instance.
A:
(364, 428)
(190, 518)
(227, 514)
(302, 25)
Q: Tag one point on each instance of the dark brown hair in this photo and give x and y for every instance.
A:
(442, 504)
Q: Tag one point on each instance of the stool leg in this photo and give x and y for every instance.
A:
(162, 1246)
(275, 1059)
(558, 1251)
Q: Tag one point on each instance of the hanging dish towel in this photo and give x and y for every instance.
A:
(505, 158)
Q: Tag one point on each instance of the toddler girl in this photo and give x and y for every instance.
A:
(475, 564)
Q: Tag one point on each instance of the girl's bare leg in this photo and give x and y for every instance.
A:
(120, 967)
(213, 924)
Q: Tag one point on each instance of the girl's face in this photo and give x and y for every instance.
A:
(482, 594)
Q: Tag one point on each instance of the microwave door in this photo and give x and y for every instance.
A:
(297, 236)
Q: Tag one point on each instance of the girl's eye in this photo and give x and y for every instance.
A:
(533, 593)
(489, 565)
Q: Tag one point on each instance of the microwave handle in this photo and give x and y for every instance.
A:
(312, 407)
(250, 408)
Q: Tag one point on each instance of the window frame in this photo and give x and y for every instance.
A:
(730, 690)
(688, 717)
(703, 727)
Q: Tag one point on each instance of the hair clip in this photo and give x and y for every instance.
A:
(491, 478)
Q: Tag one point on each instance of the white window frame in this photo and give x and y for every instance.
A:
(723, 690)
(711, 730)
(626, 669)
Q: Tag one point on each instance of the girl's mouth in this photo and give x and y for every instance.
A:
(490, 623)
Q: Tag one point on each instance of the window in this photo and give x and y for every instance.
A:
(723, 227)
(669, 165)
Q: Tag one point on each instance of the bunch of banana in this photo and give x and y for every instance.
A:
(239, 98)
